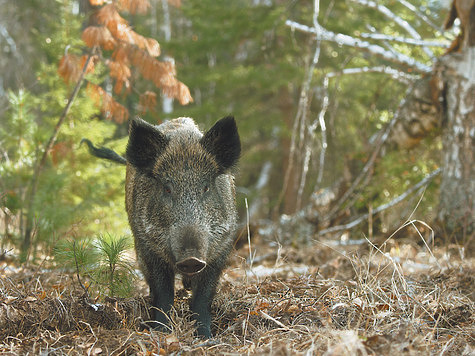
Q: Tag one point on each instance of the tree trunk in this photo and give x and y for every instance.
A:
(457, 204)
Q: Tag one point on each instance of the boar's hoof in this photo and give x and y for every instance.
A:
(191, 266)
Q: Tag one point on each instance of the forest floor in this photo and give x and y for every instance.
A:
(393, 297)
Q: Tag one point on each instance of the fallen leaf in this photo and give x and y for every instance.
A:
(9, 299)
(293, 309)
(172, 343)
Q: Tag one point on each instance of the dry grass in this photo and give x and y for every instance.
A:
(393, 298)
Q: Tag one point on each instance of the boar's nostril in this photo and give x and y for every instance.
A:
(191, 265)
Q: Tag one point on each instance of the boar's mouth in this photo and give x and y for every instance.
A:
(191, 266)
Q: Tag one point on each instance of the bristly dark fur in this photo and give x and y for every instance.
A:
(222, 141)
(145, 144)
(180, 200)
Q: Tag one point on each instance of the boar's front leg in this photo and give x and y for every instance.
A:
(161, 281)
(204, 288)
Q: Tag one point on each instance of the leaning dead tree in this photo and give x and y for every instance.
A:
(441, 94)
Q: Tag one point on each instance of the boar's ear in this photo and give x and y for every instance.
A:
(145, 144)
(222, 141)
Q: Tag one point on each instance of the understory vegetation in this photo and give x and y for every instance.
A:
(380, 297)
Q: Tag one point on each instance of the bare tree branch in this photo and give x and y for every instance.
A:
(410, 41)
(398, 20)
(321, 122)
(308, 142)
(423, 17)
(301, 117)
(394, 73)
(383, 136)
(346, 40)
(380, 208)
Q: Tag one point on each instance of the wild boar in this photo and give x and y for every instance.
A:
(180, 201)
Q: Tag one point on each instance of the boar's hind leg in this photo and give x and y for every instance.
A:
(161, 282)
(204, 289)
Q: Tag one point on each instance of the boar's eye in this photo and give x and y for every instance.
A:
(205, 188)
(167, 188)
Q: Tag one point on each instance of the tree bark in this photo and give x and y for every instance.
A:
(457, 204)
(419, 114)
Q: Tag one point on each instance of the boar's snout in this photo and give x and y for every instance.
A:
(191, 266)
(190, 246)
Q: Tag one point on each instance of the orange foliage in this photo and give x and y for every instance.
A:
(147, 101)
(176, 3)
(110, 108)
(121, 72)
(162, 74)
(152, 47)
(97, 2)
(149, 44)
(151, 68)
(98, 36)
(134, 6)
(109, 16)
(113, 33)
(71, 66)
(60, 151)
(122, 32)
(179, 91)
(68, 68)
(121, 53)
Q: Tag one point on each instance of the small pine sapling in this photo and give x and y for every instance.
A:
(114, 271)
(102, 262)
